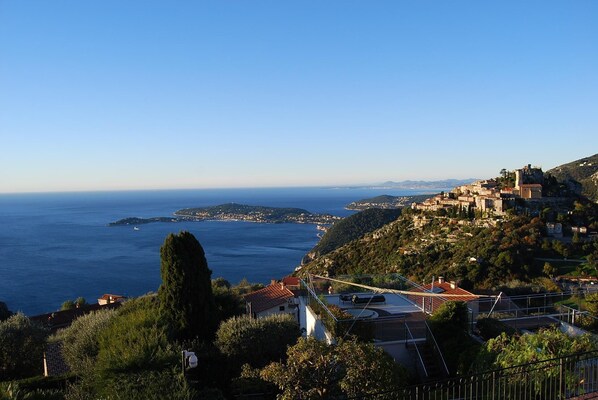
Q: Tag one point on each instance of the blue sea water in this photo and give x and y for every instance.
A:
(55, 247)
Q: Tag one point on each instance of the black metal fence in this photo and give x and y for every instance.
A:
(560, 378)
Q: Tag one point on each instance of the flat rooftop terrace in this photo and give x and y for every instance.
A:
(394, 304)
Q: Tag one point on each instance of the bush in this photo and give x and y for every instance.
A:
(136, 339)
(351, 369)
(256, 342)
(146, 385)
(81, 339)
(490, 328)
(228, 303)
(142, 385)
(21, 348)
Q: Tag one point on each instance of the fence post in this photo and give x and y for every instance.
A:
(561, 383)
(493, 383)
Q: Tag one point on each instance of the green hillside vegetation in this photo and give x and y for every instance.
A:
(354, 227)
(481, 254)
(580, 175)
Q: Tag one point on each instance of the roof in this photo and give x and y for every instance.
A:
(62, 319)
(112, 297)
(290, 281)
(444, 288)
(268, 297)
(457, 294)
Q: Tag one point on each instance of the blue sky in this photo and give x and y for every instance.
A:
(101, 95)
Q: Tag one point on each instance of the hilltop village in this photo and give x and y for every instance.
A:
(492, 197)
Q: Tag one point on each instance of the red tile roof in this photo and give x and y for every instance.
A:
(290, 281)
(112, 297)
(432, 303)
(268, 297)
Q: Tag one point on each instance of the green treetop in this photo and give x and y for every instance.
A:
(186, 299)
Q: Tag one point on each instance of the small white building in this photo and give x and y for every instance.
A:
(111, 298)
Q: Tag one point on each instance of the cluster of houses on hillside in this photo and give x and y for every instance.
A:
(487, 196)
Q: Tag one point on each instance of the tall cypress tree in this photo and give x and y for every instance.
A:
(186, 299)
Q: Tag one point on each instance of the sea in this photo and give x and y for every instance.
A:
(58, 246)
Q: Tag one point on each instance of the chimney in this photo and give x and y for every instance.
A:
(453, 284)
(441, 279)
(273, 282)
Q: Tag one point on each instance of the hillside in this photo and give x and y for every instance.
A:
(581, 176)
(483, 249)
(351, 228)
(419, 247)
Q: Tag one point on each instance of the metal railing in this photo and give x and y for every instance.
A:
(555, 379)
(409, 337)
(435, 348)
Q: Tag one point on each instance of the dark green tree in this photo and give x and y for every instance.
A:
(186, 298)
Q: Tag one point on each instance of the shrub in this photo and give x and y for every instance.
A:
(81, 339)
(136, 339)
(351, 369)
(256, 342)
(490, 328)
(21, 347)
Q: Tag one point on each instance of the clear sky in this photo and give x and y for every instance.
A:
(99, 95)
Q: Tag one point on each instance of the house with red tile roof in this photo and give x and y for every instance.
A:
(111, 298)
(291, 282)
(275, 298)
(446, 291)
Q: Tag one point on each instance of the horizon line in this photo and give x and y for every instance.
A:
(379, 185)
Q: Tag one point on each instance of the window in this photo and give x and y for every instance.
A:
(281, 308)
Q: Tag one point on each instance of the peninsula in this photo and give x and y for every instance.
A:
(238, 212)
(241, 212)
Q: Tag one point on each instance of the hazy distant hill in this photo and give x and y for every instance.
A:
(580, 175)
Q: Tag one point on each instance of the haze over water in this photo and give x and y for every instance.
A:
(55, 247)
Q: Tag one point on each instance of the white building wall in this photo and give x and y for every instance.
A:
(276, 310)
(314, 327)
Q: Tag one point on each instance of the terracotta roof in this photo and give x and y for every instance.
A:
(112, 297)
(432, 303)
(268, 297)
(290, 281)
